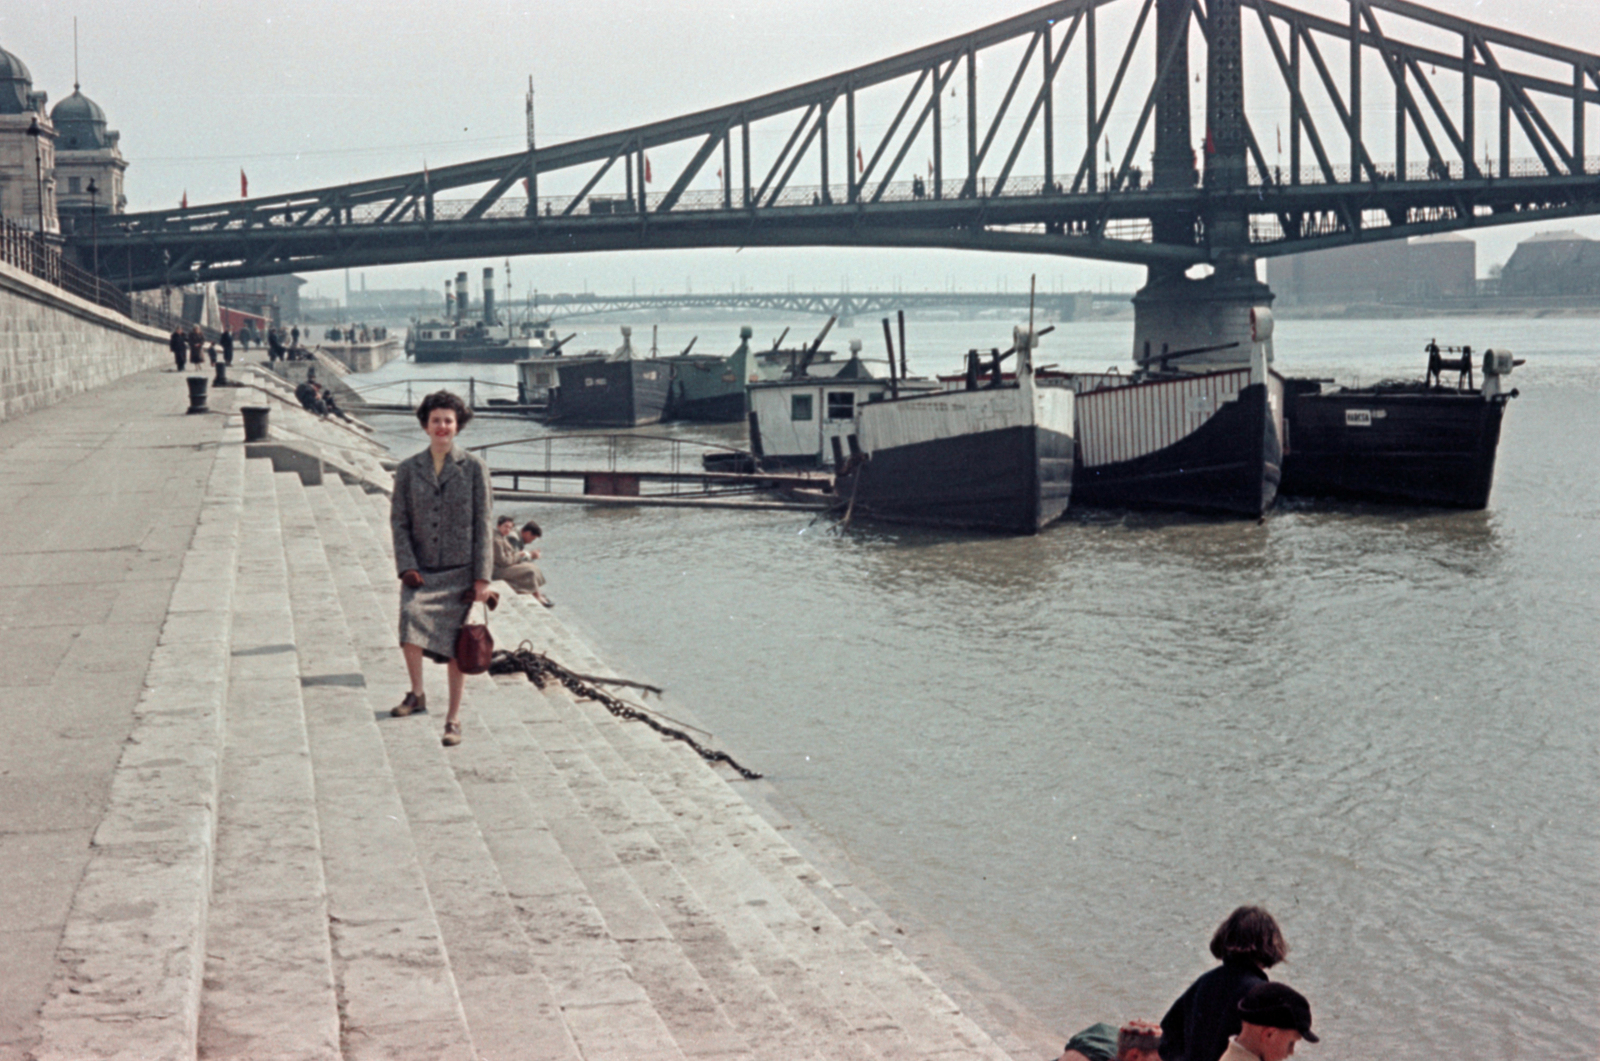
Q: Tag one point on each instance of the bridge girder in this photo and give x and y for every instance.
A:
(1242, 210)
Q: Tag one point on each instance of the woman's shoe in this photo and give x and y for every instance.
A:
(452, 734)
(413, 704)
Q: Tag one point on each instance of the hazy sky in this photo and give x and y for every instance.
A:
(301, 94)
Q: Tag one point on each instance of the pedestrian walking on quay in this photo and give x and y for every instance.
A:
(1200, 1022)
(444, 555)
(179, 347)
(227, 347)
(294, 337)
(197, 344)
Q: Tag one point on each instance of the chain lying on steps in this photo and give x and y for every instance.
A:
(541, 670)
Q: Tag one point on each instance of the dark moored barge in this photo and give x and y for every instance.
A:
(1409, 442)
(621, 393)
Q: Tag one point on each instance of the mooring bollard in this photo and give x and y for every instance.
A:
(222, 375)
(255, 422)
(197, 395)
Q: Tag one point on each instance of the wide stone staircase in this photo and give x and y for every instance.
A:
(287, 872)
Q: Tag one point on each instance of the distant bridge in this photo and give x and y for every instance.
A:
(1015, 178)
(846, 305)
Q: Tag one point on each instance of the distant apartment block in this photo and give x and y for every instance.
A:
(1553, 263)
(1389, 271)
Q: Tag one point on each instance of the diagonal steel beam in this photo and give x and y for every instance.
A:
(1395, 64)
(1338, 104)
(1516, 100)
(1296, 97)
(894, 126)
(939, 83)
(1098, 129)
(1052, 66)
(1463, 148)
(1005, 104)
(805, 119)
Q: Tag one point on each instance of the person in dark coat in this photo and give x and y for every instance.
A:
(227, 346)
(197, 344)
(444, 555)
(179, 347)
(1204, 1017)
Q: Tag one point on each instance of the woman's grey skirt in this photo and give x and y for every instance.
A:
(431, 615)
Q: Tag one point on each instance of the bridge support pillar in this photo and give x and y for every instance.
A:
(1173, 312)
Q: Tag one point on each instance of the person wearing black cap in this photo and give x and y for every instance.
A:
(1272, 1018)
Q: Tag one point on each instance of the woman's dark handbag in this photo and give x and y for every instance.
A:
(474, 645)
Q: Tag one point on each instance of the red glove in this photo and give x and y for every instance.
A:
(413, 579)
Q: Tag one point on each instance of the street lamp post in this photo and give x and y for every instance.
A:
(38, 169)
(94, 229)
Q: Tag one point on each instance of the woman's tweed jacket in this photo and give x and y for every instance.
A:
(442, 522)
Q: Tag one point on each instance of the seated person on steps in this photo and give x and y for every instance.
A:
(515, 565)
(1138, 1040)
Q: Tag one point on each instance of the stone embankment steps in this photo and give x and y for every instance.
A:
(657, 960)
(286, 872)
(646, 820)
(134, 940)
(738, 861)
(269, 986)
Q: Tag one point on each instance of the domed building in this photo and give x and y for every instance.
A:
(27, 149)
(87, 157)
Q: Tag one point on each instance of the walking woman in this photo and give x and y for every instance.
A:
(1199, 1024)
(442, 549)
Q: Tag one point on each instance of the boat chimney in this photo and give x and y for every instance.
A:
(463, 299)
(488, 296)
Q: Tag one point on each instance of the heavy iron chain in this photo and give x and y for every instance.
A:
(541, 670)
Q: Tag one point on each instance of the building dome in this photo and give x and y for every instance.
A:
(80, 123)
(16, 85)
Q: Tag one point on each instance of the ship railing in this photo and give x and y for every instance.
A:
(626, 464)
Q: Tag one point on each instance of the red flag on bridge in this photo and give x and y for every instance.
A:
(244, 185)
(647, 169)
(1211, 144)
(861, 165)
(184, 204)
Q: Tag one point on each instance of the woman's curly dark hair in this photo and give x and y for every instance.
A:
(1250, 933)
(444, 400)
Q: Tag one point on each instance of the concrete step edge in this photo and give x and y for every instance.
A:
(134, 940)
(397, 995)
(606, 1008)
(905, 989)
(269, 982)
(509, 1004)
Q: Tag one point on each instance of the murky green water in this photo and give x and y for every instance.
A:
(1077, 752)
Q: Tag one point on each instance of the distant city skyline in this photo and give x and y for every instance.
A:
(298, 95)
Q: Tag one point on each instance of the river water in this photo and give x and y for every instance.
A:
(1075, 753)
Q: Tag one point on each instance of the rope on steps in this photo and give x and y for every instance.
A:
(541, 670)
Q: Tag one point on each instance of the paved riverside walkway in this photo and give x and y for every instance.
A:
(219, 845)
(99, 499)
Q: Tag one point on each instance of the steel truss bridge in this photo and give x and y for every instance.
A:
(1056, 305)
(1380, 111)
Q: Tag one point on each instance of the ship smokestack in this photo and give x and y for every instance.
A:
(488, 296)
(463, 299)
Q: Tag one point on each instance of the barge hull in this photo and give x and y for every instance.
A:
(1015, 480)
(1230, 465)
(1422, 449)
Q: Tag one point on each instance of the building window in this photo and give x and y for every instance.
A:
(800, 407)
(841, 405)
(74, 186)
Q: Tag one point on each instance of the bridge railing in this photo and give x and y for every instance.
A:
(33, 254)
(708, 200)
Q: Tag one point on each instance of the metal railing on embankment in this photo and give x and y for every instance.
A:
(631, 465)
(33, 254)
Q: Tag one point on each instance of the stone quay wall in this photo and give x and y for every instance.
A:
(54, 344)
